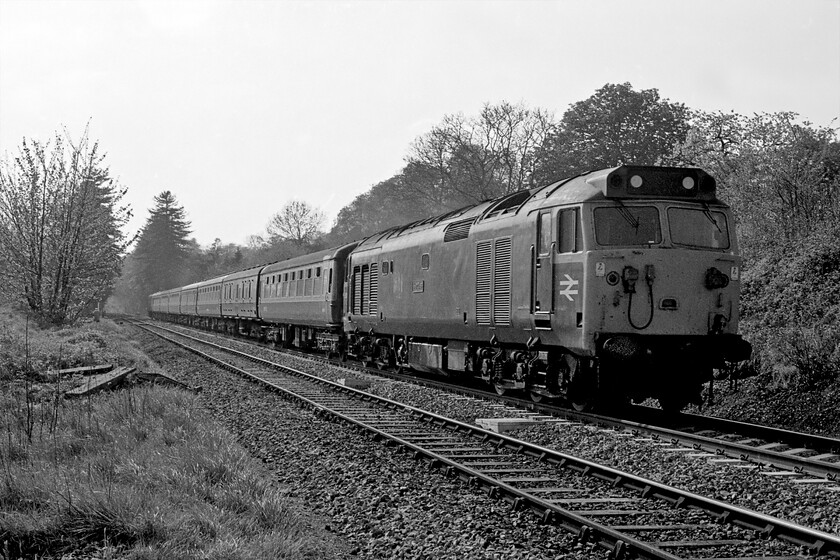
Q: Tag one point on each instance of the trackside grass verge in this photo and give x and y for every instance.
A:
(138, 473)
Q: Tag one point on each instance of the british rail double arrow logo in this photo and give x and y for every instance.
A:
(569, 290)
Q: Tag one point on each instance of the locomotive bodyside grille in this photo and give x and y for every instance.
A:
(374, 288)
(357, 290)
(457, 230)
(501, 281)
(483, 265)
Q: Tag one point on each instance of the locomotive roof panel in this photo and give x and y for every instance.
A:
(626, 182)
(629, 182)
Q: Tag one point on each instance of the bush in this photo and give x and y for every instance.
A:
(790, 306)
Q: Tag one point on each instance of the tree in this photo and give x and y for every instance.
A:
(162, 252)
(779, 175)
(616, 125)
(297, 221)
(61, 238)
(468, 160)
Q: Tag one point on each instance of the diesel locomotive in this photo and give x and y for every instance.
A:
(612, 285)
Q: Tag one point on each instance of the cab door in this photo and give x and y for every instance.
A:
(542, 300)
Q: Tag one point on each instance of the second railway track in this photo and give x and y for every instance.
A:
(629, 515)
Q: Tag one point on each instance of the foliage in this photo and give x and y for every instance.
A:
(461, 161)
(28, 351)
(61, 242)
(467, 160)
(160, 259)
(616, 125)
(392, 202)
(791, 304)
(297, 221)
(138, 473)
(781, 176)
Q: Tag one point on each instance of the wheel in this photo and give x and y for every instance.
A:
(581, 404)
(537, 397)
(500, 389)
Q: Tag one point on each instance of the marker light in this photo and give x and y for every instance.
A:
(635, 181)
(688, 183)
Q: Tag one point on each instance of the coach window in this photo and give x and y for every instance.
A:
(317, 272)
(424, 261)
(569, 238)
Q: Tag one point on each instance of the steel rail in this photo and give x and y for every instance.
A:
(817, 542)
(621, 545)
(653, 425)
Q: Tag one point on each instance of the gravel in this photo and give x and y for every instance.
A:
(380, 501)
(383, 503)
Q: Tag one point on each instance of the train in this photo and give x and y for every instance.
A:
(612, 286)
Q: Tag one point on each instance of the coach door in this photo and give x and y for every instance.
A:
(542, 301)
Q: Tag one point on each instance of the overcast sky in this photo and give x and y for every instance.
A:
(239, 107)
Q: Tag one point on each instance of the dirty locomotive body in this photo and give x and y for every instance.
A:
(613, 285)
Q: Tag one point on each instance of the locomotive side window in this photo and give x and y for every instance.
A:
(627, 225)
(698, 228)
(569, 237)
(384, 268)
(544, 241)
(424, 261)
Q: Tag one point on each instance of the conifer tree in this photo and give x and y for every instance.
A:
(160, 259)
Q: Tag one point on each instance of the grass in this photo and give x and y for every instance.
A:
(139, 473)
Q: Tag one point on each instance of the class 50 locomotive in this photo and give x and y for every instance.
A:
(613, 285)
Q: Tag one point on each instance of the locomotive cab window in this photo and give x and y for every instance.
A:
(627, 225)
(569, 235)
(702, 228)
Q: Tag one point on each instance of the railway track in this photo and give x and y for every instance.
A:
(631, 516)
(798, 457)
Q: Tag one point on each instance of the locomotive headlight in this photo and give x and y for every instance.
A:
(636, 181)
(688, 183)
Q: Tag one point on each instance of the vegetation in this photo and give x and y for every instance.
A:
(140, 473)
(61, 238)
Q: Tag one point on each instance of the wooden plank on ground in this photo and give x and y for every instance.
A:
(100, 382)
(157, 377)
(86, 370)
